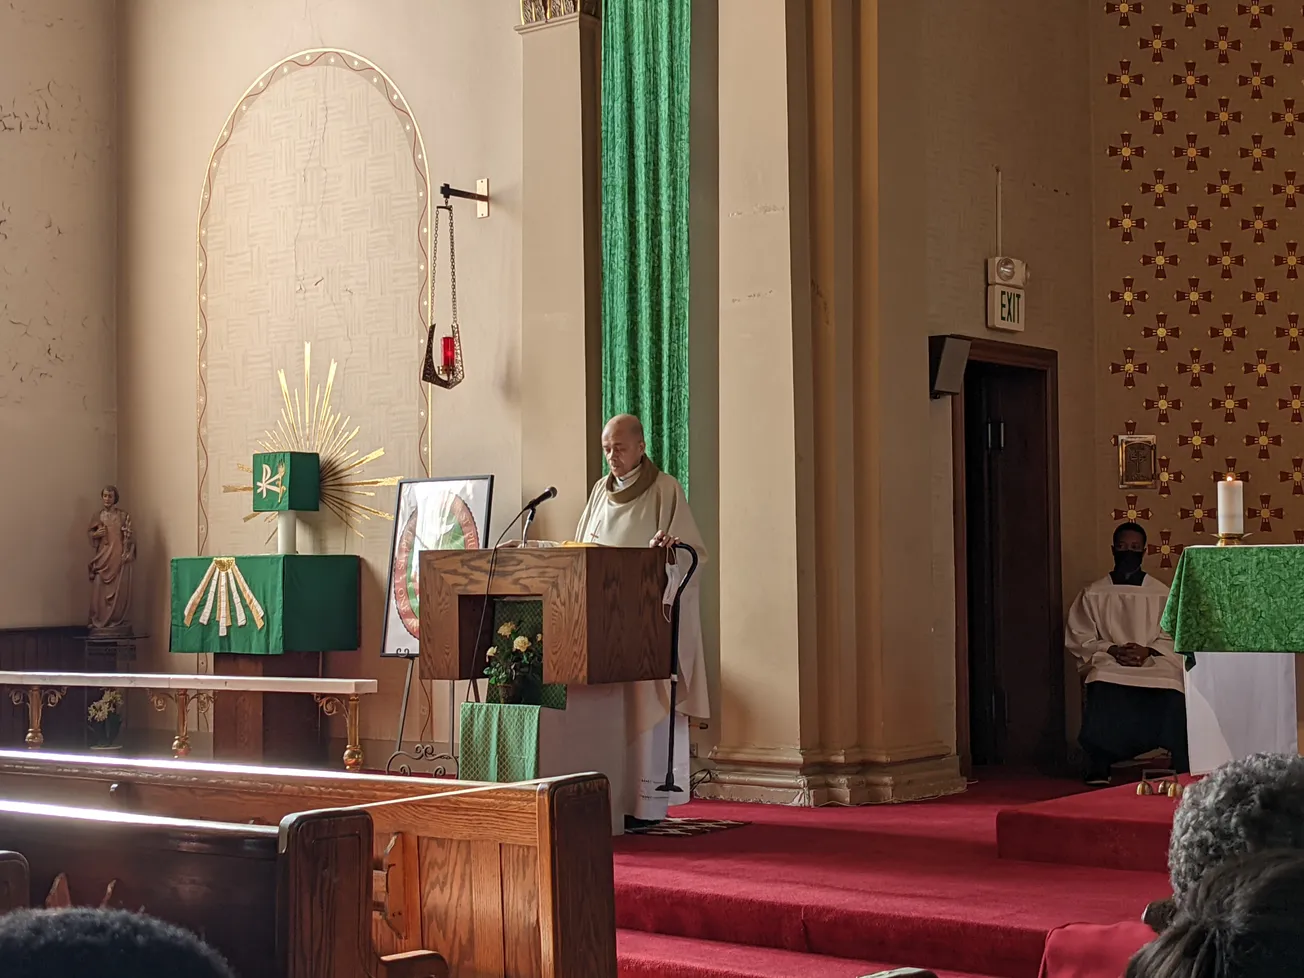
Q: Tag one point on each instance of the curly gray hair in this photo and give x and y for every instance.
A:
(1244, 807)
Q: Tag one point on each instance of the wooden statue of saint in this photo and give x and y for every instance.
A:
(110, 570)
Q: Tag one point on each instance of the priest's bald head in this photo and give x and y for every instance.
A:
(623, 445)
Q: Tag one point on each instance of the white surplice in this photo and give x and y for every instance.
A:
(1107, 614)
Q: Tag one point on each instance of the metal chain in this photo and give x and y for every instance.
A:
(434, 263)
(455, 372)
(452, 272)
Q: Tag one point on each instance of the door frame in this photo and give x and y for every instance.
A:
(1046, 363)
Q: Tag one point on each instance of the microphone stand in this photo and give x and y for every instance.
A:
(669, 784)
(525, 523)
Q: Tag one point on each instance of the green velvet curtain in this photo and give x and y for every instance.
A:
(645, 77)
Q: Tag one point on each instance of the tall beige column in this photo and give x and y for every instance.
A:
(764, 402)
(823, 698)
(561, 277)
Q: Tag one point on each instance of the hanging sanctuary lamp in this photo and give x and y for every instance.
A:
(443, 366)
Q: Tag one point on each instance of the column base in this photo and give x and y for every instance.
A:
(790, 778)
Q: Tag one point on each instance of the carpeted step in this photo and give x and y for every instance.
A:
(919, 884)
(645, 955)
(914, 884)
(1114, 828)
(970, 925)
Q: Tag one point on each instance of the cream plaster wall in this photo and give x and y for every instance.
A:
(968, 88)
(58, 225)
(186, 64)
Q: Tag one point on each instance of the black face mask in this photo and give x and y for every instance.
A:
(1127, 562)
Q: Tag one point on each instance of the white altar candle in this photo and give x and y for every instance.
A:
(1231, 507)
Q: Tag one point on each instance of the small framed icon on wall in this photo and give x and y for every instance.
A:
(1138, 462)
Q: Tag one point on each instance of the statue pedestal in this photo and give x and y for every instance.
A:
(109, 633)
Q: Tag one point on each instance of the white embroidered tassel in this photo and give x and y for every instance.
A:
(198, 596)
(207, 614)
(255, 608)
(235, 599)
(223, 611)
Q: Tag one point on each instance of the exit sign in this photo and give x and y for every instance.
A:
(1005, 308)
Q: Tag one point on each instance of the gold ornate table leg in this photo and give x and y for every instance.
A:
(182, 697)
(331, 705)
(203, 704)
(37, 699)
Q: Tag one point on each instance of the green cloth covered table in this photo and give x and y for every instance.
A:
(1237, 599)
(500, 741)
(266, 604)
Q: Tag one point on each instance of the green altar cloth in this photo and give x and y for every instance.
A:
(500, 741)
(288, 603)
(1237, 599)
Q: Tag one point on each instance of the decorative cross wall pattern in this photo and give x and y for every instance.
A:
(1198, 254)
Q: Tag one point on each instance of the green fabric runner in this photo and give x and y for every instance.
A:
(308, 603)
(645, 85)
(500, 742)
(1237, 599)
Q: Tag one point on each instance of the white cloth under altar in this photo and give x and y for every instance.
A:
(1241, 703)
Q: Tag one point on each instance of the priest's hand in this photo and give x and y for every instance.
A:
(663, 540)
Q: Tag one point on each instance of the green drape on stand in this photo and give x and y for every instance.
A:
(645, 79)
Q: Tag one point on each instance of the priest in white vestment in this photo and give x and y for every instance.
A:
(637, 505)
(1135, 699)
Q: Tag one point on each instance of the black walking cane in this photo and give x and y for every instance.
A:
(669, 784)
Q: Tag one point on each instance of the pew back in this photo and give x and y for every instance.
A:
(13, 881)
(502, 880)
(275, 902)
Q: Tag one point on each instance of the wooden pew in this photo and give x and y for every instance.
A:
(13, 881)
(287, 902)
(501, 880)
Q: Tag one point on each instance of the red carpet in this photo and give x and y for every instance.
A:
(656, 956)
(830, 892)
(1113, 829)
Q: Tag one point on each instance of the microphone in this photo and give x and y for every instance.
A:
(528, 510)
(541, 498)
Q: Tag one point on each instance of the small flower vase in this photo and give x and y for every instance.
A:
(523, 690)
(104, 733)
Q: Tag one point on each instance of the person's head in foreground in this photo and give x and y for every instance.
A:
(1244, 807)
(102, 943)
(622, 444)
(1243, 920)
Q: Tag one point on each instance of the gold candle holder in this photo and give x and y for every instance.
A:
(1230, 539)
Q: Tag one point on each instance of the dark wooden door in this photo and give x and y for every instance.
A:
(1015, 698)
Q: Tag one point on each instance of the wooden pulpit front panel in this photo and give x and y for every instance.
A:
(603, 617)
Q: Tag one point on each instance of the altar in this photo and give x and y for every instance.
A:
(1237, 616)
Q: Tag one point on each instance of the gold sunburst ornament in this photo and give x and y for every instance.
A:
(310, 425)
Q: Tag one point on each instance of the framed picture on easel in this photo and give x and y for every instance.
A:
(432, 514)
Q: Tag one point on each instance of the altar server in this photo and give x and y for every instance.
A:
(1136, 699)
(638, 505)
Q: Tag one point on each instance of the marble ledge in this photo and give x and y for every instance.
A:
(166, 680)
